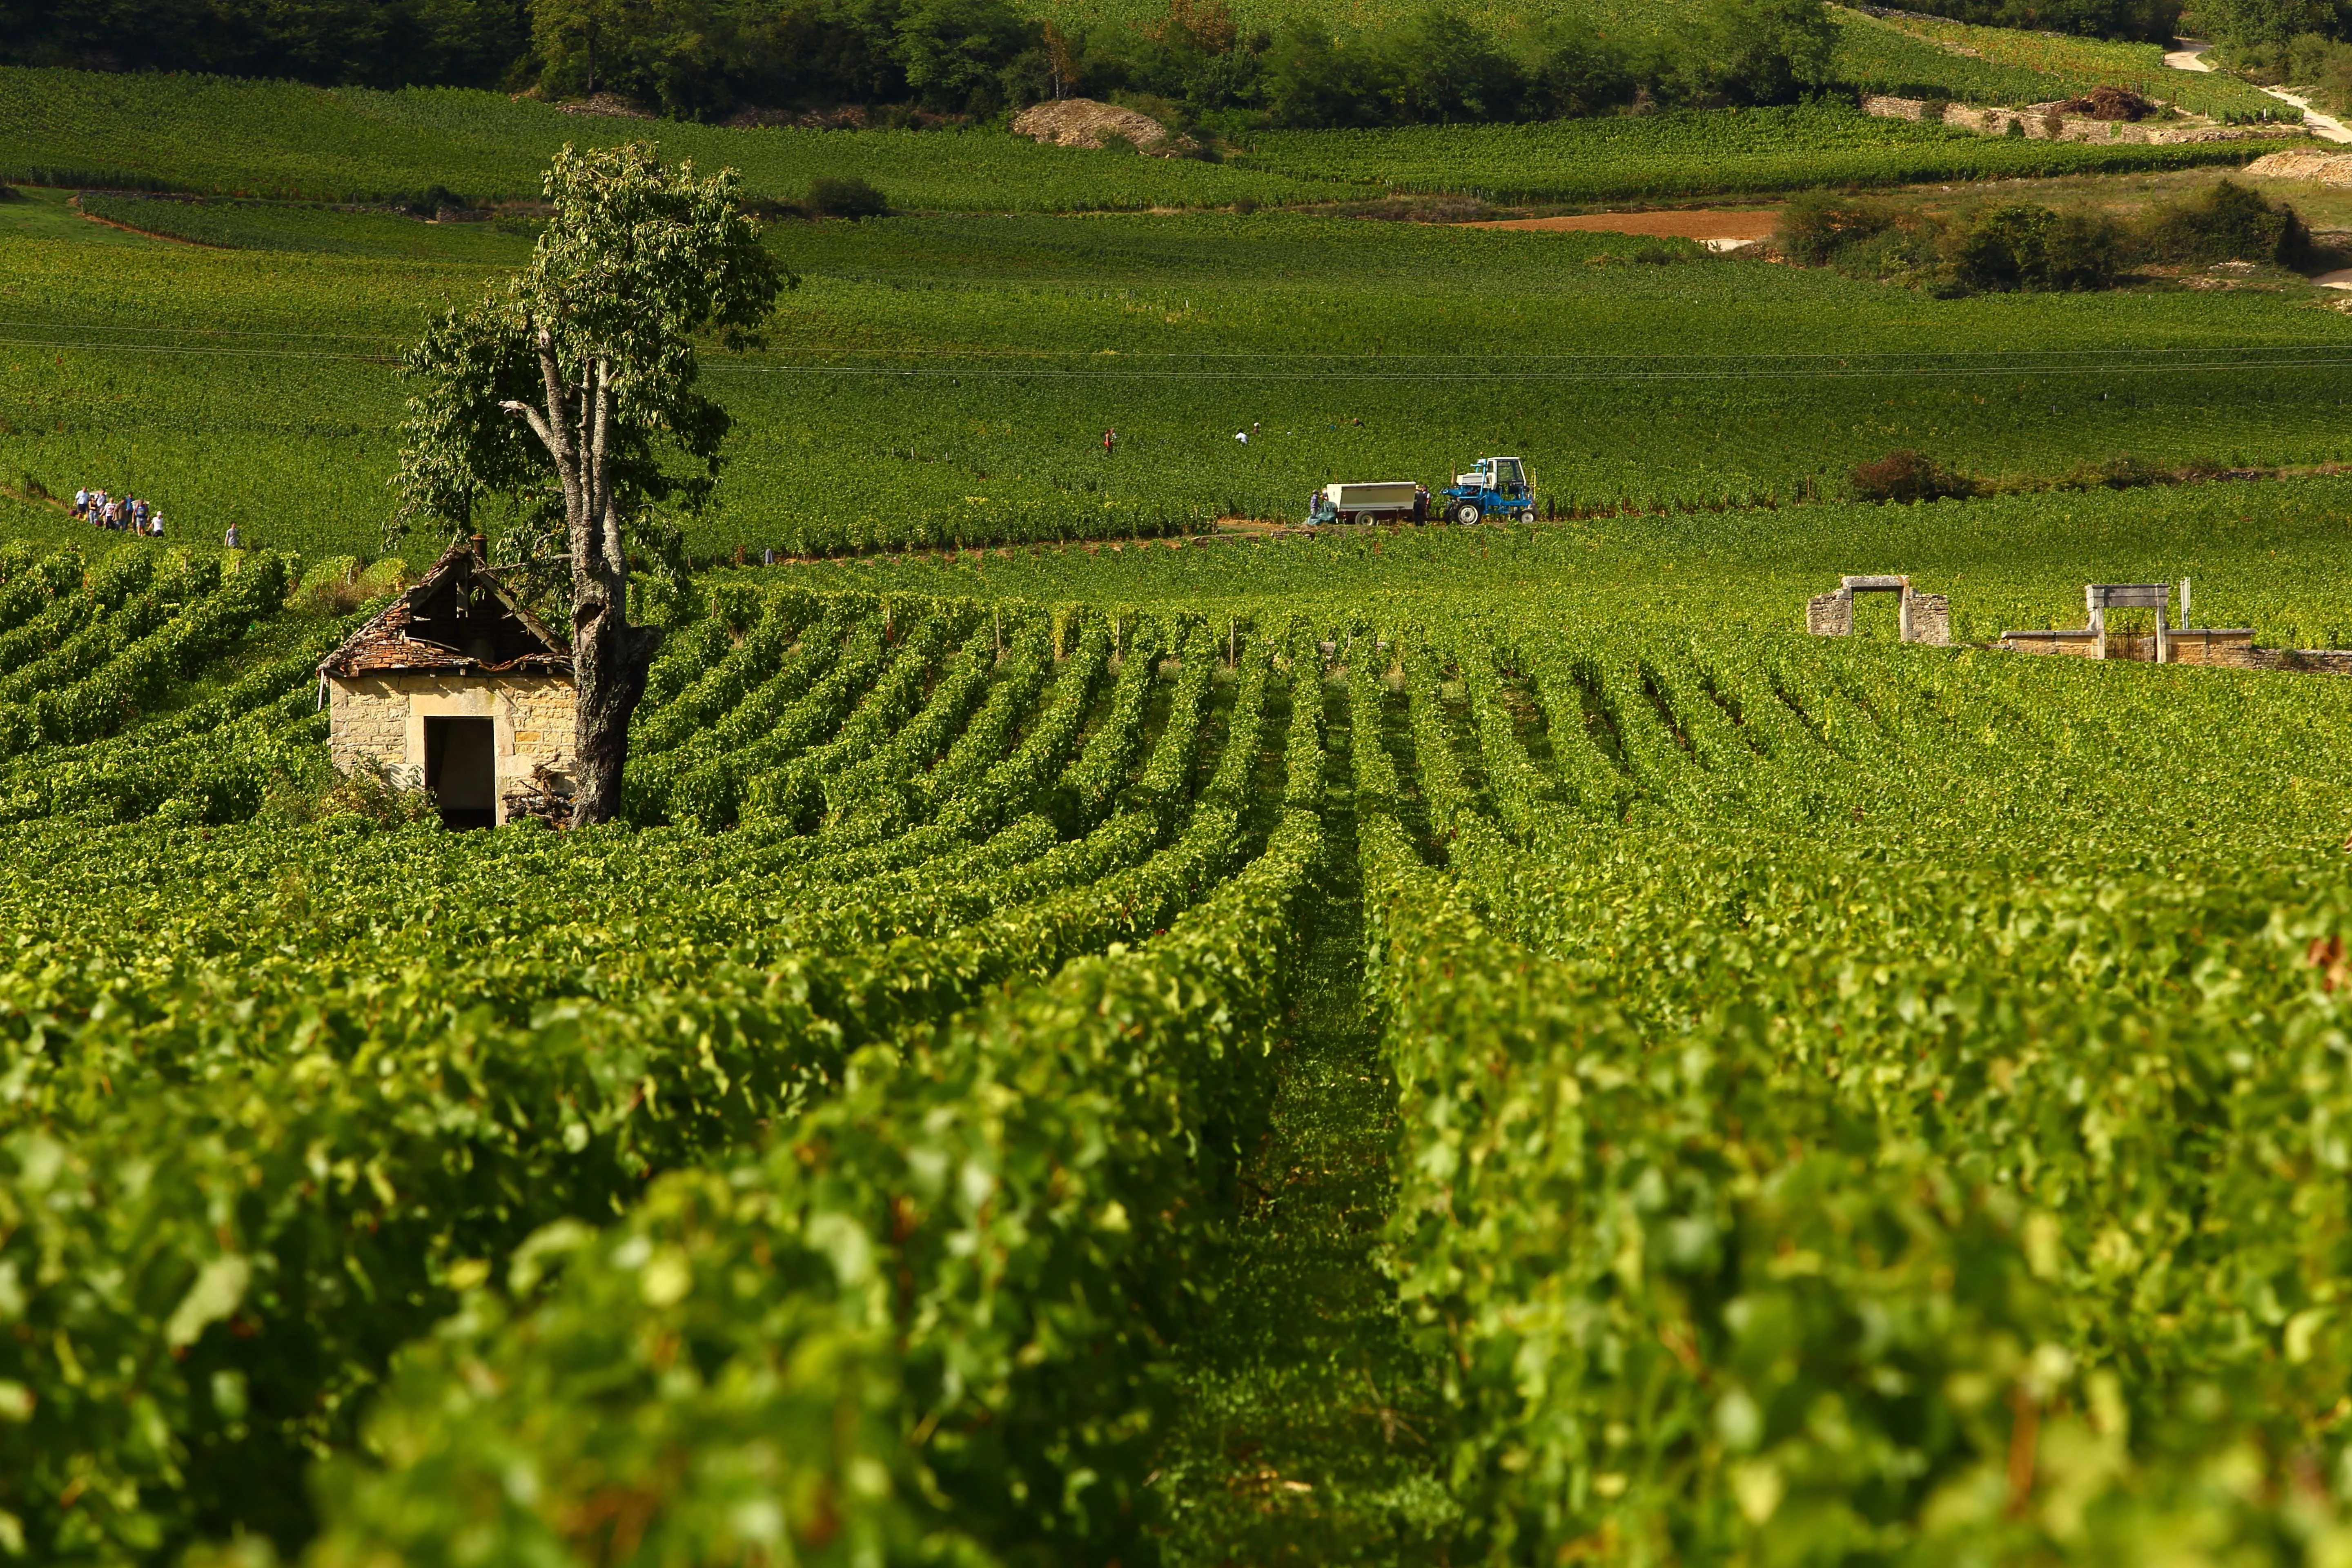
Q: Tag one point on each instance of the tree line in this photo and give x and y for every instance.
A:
(899, 60)
(896, 61)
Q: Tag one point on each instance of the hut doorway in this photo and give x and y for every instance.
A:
(461, 761)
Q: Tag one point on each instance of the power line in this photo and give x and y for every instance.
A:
(1331, 367)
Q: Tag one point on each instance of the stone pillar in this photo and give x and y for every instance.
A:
(1831, 614)
(1927, 618)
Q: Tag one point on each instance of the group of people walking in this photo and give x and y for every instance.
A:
(121, 514)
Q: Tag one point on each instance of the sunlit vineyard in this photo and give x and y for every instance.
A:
(1432, 1048)
(942, 381)
(1699, 154)
(2074, 64)
(228, 137)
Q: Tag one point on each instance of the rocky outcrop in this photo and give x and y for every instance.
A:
(1083, 122)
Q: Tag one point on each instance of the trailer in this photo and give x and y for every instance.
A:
(1392, 500)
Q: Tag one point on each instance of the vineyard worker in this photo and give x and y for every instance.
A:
(82, 503)
(1242, 437)
(1110, 442)
(234, 539)
(155, 525)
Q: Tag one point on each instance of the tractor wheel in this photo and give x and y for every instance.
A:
(1466, 513)
(1526, 514)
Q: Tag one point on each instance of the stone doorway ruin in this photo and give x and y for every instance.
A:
(1918, 617)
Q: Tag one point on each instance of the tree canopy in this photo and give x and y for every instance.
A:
(572, 392)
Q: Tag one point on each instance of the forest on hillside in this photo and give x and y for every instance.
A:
(912, 62)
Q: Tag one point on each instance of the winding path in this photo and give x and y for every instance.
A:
(2191, 57)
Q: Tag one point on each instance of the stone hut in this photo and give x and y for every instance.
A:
(457, 689)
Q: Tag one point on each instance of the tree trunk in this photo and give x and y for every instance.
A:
(610, 658)
(609, 661)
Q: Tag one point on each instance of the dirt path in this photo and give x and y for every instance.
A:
(2327, 127)
(88, 216)
(1716, 228)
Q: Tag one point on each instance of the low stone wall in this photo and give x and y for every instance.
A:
(2316, 660)
(2219, 647)
(2038, 123)
(2073, 641)
(2230, 649)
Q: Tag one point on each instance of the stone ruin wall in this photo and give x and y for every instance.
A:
(2041, 125)
(1925, 617)
(1930, 618)
(368, 723)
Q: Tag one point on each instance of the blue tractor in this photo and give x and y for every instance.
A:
(1497, 487)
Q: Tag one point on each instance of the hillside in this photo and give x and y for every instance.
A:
(942, 380)
(283, 140)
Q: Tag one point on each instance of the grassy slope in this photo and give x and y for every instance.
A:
(284, 140)
(2075, 65)
(960, 372)
(281, 138)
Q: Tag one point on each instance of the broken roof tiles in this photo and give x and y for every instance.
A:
(457, 619)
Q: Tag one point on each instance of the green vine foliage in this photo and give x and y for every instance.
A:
(1849, 1102)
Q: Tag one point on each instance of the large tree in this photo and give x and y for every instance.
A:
(570, 392)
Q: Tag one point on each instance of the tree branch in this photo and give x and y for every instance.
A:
(608, 515)
(560, 444)
(538, 425)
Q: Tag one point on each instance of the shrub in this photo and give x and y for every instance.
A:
(848, 197)
(433, 200)
(2229, 223)
(1906, 476)
(1816, 226)
(2020, 247)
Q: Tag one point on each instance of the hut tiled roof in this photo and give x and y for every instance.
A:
(457, 619)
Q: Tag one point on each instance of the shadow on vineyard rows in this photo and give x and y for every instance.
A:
(1307, 1433)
